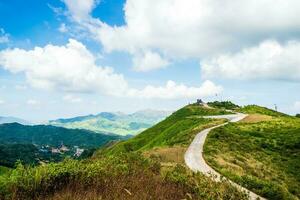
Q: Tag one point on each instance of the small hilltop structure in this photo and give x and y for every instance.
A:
(200, 102)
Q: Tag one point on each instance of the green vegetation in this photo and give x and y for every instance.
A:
(228, 105)
(261, 153)
(32, 145)
(263, 156)
(127, 176)
(254, 109)
(298, 115)
(4, 170)
(11, 153)
(178, 129)
(131, 174)
(51, 135)
(115, 123)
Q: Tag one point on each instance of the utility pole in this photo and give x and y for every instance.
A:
(275, 107)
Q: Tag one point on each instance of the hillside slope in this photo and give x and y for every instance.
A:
(177, 130)
(262, 152)
(125, 170)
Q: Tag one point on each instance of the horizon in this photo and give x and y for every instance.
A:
(74, 58)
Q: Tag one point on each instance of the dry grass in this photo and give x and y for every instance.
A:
(254, 118)
(136, 187)
(167, 154)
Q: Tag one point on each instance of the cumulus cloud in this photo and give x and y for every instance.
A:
(180, 29)
(4, 37)
(194, 27)
(174, 91)
(268, 60)
(69, 68)
(72, 68)
(149, 61)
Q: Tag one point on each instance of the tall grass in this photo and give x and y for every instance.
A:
(127, 176)
(263, 156)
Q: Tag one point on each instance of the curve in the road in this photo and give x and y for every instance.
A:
(194, 155)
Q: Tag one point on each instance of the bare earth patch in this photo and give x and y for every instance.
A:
(254, 118)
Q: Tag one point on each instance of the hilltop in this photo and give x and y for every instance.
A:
(177, 129)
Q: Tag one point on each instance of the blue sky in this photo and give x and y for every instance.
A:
(63, 58)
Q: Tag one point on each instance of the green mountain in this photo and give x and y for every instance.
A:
(116, 123)
(32, 144)
(52, 136)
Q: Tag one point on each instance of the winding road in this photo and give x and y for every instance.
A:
(194, 155)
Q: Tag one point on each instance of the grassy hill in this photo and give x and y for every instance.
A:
(177, 130)
(262, 152)
(124, 171)
(116, 123)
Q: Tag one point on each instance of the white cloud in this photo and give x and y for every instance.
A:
(4, 37)
(175, 91)
(63, 28)
(2, 102)
(149, 61)
(80, 9)
(193, 27)
(32, 102)
(268, 60)
(71, 68)
(72, 99)
(199, 29)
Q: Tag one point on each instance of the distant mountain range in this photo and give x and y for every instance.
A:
(116, 123)
(4, 120)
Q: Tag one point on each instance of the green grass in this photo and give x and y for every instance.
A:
(178, 129)
(126, 176)
(263, 156)
(4, 170)
(254, 109)
(223, 105)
